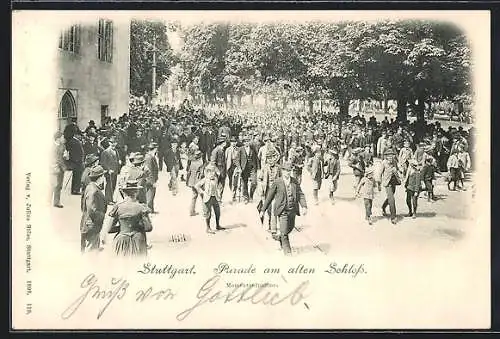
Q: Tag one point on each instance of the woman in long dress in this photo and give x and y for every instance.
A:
(130, 220)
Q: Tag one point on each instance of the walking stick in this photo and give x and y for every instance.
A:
(240, 186)
(67, 181)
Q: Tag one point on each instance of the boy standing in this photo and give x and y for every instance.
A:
(366, 190)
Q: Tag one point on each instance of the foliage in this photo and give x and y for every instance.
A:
(398, 60)
(142, 34)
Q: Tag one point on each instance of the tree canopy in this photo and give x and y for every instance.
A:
(142, 34)
(408, 61)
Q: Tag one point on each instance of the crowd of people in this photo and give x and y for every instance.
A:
(262, 156)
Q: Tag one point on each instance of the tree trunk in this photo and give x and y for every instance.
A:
(420, 108)
(344, 108)
(239, 100)
(320, 106)
(251, 98)
(343, 112)
(386, 105)
(402, 109)
(311, 106)
(266, 100)
(285, 102)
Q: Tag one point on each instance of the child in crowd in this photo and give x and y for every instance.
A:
(208, 190)
(366, 190)
(412, 185)
(358, 166)
(428, 176)
(464, 165)
(453, 170)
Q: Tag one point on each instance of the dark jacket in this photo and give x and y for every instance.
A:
(246, 161)
(152, 164)
(278, 192)
(413, 181)
(172, 159)
(76, 154)
(218, 156)
(194, 172)
(110, 160)
(93, 208)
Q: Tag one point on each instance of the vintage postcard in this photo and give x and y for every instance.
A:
(250, 170)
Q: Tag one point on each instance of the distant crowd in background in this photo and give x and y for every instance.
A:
(260, 155)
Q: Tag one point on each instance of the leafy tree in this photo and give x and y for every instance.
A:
(142, 34)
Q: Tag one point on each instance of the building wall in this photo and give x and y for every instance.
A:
(97, 82)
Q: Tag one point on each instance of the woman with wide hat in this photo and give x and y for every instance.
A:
(130, 221)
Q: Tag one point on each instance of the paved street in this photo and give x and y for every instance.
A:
(326, 230)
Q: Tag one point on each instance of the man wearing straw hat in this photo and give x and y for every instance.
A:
(93, 208)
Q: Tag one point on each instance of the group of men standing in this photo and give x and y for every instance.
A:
(261, 161)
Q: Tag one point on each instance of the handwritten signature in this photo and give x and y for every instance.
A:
(209, 293)
(96, 292)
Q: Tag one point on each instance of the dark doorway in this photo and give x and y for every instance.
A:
(67, 109)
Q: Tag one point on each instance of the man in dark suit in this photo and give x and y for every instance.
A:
(163, 147)
(247, 163)
(172, 160)
(152, 164)
(206, 142)
(110, 161)
(71, 129)
(75, 163)
(288, 196)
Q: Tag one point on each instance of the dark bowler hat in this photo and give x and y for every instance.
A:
(90, 159)
(287, 166)
(96, 172)
(221, 139)
(131, 185)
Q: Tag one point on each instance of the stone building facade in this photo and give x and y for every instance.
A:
(94, 72)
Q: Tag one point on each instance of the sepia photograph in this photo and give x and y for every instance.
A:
(251, 170)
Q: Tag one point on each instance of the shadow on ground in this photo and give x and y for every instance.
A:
(345, 198)
(452, 234)
(320, 248)
(300, 228)
(232, 226)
